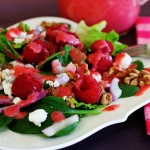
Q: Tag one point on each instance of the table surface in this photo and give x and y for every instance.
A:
(129, 135)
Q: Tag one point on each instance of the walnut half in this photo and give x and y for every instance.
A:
(131, 77)
(106, 98)
(144, 78)
(137, 78)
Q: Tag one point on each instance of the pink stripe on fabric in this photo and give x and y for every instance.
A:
(143, 40)
(143, 27)
(143, 37)
(143, 20)
(143, 34)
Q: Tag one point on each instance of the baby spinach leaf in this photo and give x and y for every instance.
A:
(66, 130)
(4, 120)
(7, 49)
(127, 90)
(2, 58)
(139, 63)
(65, 59)
(26, 127)
(41, 65)
(52, 103)
(49, 104)
(24, 27)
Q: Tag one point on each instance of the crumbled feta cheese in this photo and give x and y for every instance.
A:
(23, 35)
(29, 66)
(18, 40)
(15, 63)
(97, 77)
(30, 36)
(56, 83)
(64, 97)
(16, 100)
(7, 75)
(7, 88)
(126, 61)
(38, 116)
(50, 83)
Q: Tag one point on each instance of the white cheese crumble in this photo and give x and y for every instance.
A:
(18, 40)
(64, 97)
(16, 100)
(97, 77)
(7, 88)
(38, 116)
(15, 63)
(125, 61)
(7, 75)
(29, 66)
(50, 83)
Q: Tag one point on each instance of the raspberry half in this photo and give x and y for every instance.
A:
(24, 85)
(87, 89)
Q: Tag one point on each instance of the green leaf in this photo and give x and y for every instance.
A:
(66, 130)
(24, 27)
(52, 103)
(26, 127)
(81, 105)
(90, 34)
(49, 104)
(7, 49)
(65, 59)
(20, 45)
(3, 31)
(140, 65)
(41, 65)
(2, 58)
(4, 120)
(128, 90)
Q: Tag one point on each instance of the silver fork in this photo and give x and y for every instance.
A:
(142, 50)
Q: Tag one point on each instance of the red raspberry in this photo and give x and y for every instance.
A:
(77, 56)
(24, 85)
(62, 38)
(104, 64)
(100, 62)
(102, 45)
(62, 27)
(35, 52)
(57, 116)
(87, 89)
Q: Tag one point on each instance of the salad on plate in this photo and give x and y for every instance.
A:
(51, 77)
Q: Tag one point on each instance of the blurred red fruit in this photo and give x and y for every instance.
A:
(24, 85)
(35, 51)
(87, 89)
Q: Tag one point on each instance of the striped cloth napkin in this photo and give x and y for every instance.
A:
(143, 37)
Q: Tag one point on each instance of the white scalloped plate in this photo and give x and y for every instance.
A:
(88, 125)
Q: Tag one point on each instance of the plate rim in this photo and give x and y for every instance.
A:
(119, 120)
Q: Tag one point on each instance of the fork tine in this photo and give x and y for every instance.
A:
(139, 50)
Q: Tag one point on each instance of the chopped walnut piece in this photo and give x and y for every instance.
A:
(137, 78)
(68, 101)
(131, 77)
(106, 98)
(144, 78)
